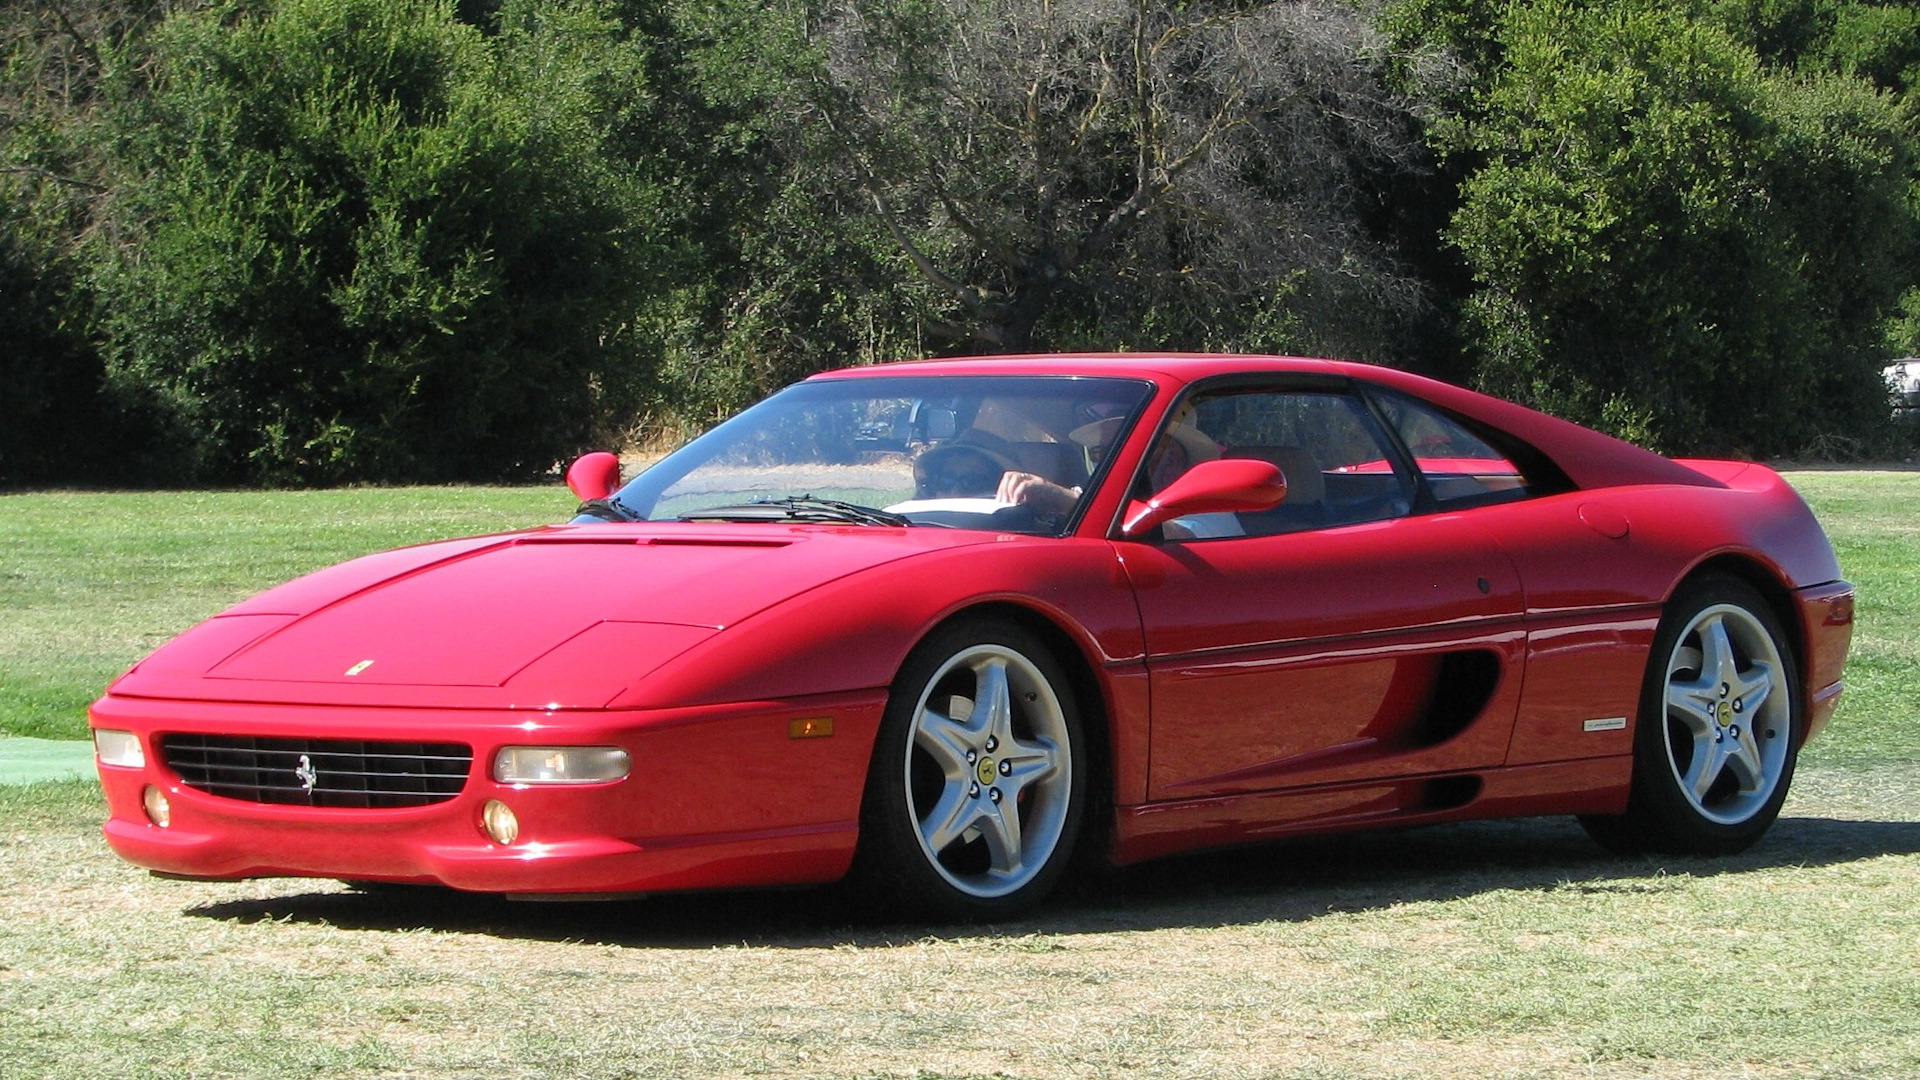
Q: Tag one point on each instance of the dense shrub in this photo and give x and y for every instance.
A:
(360, 239)
(1669, 241)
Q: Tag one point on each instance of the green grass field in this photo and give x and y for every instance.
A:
(94, 581)
(1487, 951)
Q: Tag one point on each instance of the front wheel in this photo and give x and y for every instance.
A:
(975, 796)
(1719, 730)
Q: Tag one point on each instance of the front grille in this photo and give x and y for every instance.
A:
(319, 772)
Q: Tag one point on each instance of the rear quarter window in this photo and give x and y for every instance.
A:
(1459, 468)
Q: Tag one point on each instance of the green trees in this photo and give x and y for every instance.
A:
(1670, 240)
(360, 239)
(314, 241)
(776, 274)
(53, 191)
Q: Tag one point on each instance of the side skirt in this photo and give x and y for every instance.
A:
(1591, 786)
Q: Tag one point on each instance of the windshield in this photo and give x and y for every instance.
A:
(1008, 453)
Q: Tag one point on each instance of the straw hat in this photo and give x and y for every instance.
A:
(1101, 433)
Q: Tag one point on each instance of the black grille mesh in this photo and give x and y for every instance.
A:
(319, 772)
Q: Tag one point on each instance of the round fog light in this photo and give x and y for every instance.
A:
(158, 810)
(499, 821)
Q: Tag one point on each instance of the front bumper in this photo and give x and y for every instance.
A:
(718, 797)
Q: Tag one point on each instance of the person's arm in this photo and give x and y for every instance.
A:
(1044, 496)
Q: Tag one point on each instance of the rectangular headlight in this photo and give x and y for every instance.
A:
(118, 748)
(560, 764)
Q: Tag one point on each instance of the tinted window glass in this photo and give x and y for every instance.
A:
(1327, 446)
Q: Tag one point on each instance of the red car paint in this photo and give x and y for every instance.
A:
(1245, 688)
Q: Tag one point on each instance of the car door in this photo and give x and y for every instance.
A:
(1593, 590)
(1338, 636)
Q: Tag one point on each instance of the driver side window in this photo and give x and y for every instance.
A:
(1328, 447)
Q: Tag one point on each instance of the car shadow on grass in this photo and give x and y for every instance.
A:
(1282, 882)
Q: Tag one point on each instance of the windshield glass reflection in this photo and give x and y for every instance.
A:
(1008, 453)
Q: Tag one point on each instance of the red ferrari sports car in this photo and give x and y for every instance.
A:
(952, 626)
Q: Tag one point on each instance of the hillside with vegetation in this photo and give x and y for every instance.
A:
(310, 242)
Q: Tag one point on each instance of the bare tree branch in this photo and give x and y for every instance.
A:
(1206, 151)
(73, 33)
(45, 174)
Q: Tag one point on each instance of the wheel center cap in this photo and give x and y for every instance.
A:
(985, 770)
(1725, 713)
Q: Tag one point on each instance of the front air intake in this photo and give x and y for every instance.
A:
(319, 772)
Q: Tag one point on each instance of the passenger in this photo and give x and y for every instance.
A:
(1181, 448)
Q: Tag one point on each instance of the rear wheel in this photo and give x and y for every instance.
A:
(976, 795)
(1719, 729)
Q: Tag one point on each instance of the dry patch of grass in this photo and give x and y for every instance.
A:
(1495, 950)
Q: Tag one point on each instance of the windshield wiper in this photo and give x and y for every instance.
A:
(798, 508)
(607, 509)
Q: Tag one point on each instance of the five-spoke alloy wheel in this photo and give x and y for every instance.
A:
(1719, 727)
(976, 793)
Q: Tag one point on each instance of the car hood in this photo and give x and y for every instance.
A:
(559, 617)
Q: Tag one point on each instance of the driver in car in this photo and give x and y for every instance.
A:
(1182, 447)
(970, 466)
(980, 464)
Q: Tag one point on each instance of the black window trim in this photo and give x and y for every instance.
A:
(1285, 382)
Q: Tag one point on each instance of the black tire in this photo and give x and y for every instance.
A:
(978, 786)
(1719, 728)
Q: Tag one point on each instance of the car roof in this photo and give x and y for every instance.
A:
(1588, 458)
(1182, 367)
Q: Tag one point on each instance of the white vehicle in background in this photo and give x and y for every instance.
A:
(1903, 379)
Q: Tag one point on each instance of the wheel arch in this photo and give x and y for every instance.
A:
(1096, 711)
(1667, 808)
(893, 866)
(1774, 591)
